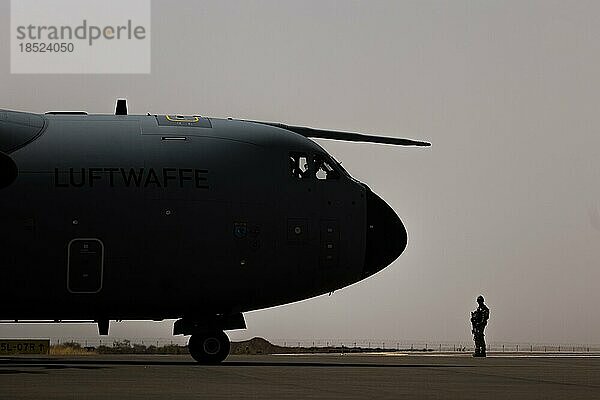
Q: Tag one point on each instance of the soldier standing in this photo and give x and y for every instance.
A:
(479, 320)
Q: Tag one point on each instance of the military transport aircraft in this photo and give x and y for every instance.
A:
(137, 217)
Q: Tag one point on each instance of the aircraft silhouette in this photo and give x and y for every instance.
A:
(136, 217)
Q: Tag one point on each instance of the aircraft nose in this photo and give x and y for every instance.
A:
(386, 235)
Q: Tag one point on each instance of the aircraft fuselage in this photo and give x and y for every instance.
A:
(155, 217)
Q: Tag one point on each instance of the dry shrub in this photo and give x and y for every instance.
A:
(69, 349)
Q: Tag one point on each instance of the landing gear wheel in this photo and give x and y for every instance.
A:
(209, 347)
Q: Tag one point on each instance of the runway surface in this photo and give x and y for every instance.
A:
(305, 376)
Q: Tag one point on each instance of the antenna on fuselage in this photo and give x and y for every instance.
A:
(121, 108)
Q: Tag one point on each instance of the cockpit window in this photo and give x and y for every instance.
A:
(324, 169)
(299, 167)
(319, 166)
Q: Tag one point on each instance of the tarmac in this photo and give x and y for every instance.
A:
(371, 376)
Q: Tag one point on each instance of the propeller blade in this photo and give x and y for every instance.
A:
(345, 136)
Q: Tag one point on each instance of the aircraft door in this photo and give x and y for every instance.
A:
(85, 264)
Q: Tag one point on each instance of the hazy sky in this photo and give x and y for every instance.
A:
(507, 201)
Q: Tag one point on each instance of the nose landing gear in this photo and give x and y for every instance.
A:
(210, 347)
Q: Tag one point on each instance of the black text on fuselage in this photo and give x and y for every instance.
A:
(132, 177)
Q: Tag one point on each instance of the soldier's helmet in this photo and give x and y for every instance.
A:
(480, 299)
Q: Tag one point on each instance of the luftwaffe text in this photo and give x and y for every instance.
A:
(132, 177)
